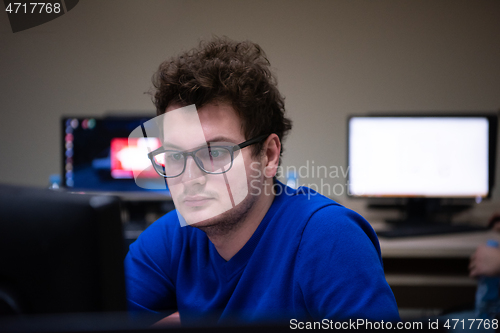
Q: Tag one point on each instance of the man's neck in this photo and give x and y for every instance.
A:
(228, 244)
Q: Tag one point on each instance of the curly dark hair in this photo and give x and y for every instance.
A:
(223, 70)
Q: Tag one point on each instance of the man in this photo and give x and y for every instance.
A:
(253, 249)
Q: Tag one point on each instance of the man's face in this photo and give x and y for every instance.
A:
(202, 198)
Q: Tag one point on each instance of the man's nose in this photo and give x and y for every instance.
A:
(192, 170)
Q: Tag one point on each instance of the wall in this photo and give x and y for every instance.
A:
(332, 58)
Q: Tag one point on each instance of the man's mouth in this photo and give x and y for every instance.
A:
(195, 201)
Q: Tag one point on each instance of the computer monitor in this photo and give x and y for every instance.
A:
(98, 156)
(422, 159)
(59, 252)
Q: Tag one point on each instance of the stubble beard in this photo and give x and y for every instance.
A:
(231, 220)
(228, 221)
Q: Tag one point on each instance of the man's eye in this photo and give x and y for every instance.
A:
(175, 157)
(218, 153)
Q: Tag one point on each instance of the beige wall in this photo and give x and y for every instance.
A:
(332, 58)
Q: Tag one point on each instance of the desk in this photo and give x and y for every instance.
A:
(431, 272)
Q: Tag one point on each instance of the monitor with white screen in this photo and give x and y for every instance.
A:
(422, 157)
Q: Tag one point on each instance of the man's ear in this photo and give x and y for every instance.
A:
(272, 148)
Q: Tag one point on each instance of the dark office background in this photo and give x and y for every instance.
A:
(332, 59)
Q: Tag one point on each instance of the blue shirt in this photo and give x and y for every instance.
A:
(310, 258)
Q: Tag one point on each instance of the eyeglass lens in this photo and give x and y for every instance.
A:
(210, 159)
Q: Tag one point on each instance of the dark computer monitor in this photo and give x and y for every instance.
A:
(98, 156)
(59, 252)
(422, 159)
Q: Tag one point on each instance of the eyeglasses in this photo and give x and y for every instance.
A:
(212, 159)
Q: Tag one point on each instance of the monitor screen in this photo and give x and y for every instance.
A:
(97, 154)
(421, 156)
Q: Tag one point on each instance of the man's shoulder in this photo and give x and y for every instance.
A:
(303, 196)
(312, 213)
(323, 219)
(341, 230)
(306, 203)
(338, 221)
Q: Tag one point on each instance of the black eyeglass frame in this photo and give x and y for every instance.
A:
(185, 154)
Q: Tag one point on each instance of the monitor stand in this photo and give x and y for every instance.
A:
(424, 217)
